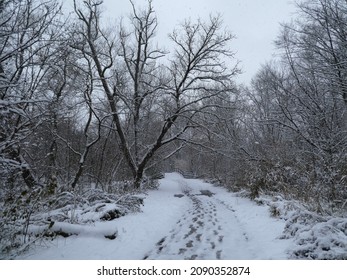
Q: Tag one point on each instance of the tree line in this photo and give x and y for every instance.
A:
(83, 104)
(288, 131)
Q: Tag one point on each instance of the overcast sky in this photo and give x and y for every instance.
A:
(255, 23)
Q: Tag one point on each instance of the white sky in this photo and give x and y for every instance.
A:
(255, 23)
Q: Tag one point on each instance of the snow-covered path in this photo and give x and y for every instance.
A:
(201, 232)
(218, 225)
(183, 219)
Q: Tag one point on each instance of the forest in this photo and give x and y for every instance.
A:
(88, 109)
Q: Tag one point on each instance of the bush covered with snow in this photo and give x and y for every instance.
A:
(64, 214)
(316, 236)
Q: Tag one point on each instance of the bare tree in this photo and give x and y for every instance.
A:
(197, 72)
(140, 59)
(319, 34)
(26, 34)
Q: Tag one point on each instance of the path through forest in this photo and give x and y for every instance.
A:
(183, 219)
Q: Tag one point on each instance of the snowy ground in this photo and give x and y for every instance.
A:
(183, 219)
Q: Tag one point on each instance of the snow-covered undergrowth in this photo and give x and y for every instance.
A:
(68, 214)
(76, 213)
(315, 236)
(92, 206)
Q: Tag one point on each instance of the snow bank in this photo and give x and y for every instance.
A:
(317, 237)
(314, 236)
